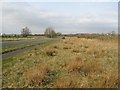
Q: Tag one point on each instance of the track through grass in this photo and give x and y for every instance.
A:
(69, 63)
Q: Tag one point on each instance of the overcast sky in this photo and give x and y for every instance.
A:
(64, 17)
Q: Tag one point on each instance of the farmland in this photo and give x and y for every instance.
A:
(16, 38)
(74, 62)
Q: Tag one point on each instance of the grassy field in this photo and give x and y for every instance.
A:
(69, 63)
(3, 39)
(16, 39)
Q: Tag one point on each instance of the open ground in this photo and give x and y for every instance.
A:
(73, 62)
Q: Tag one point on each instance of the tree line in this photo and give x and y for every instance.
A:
(25, 32)
(49, 32)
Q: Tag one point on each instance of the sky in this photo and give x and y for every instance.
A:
(64, 17)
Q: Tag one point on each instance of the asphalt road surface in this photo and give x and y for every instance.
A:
(15, 43)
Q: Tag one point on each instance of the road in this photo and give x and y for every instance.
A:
(17, 43)
(13, 53)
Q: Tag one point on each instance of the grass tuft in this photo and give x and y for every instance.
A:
(75, 64)
(51, 52)
(36, 76)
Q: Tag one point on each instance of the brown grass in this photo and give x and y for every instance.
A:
(55, 47)
(74, 65)
(66, 47)
(105, 80)
(75, 50)
(91, 66)
(51, 52)
(36, 76)
(66, 82)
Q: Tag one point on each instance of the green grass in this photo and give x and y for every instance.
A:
(16, 38)
(13, 59)
(4, 39)
(10, 49)
(70, 63)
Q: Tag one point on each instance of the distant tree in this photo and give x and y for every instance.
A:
(25, 32)
(113, 33)
(4, 35)
(58, 33)
(49, 32)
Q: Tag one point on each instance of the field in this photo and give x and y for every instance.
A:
(15, 39)
(3, 39)
(73, 62)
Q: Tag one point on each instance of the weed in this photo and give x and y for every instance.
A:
(91, 66)
(76, 50)
(55, 47)
(74, 65)
(64, 83)
(66, 47)
(35, 48)
(105, 80)
(36, 76)
(51, 52)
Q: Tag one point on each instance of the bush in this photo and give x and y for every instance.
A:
(55, 46)
(66, 47)
(51, 52)
(76, 50)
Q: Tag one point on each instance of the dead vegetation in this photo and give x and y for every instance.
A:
(51, 52)
(69, 63)
(36, 76)
(74, 65)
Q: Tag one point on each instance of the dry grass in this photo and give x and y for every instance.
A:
(91, 66)
(64, 83)
(66, 47)
(56, 47)
(36, 76)
(105, 80)
(76, 50)
(51, 52)
(70, 63)
(74, 65)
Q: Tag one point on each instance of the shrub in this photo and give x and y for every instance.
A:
(55, 46)
(51, 52)
(66, 47)
(76, 50)
(31, 54)
(86, 46)
(35, 49)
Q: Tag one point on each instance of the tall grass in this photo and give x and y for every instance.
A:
(69, 63)
(36, 76)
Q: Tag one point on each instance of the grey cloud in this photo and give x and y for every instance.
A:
(14, 18)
